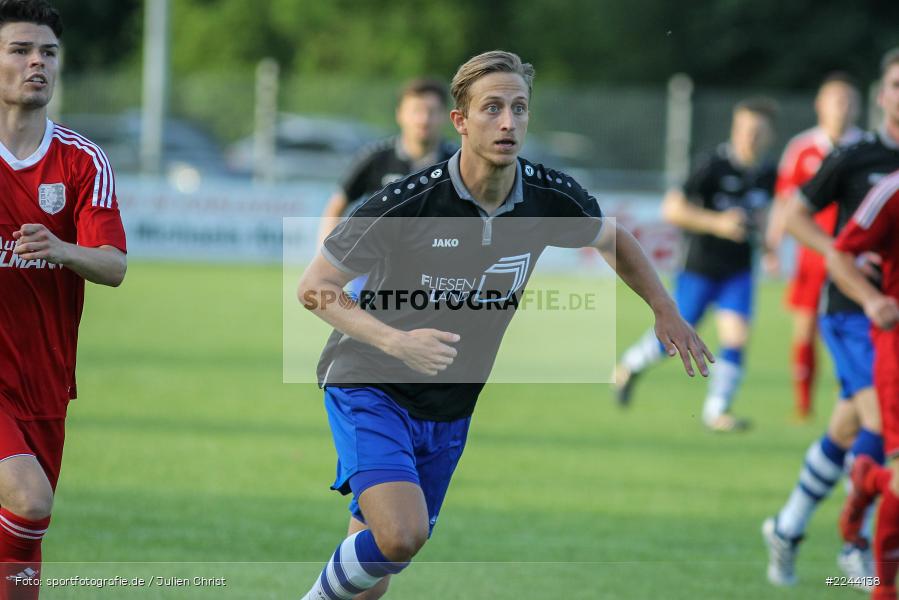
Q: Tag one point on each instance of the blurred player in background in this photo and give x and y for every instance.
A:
(875, 228)
(420, 115)
(721, 209)
(845, 177)
(59, 226)
(837, 107)
(399, 443)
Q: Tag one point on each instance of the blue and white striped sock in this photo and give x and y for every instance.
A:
(820, 472)
(357, 565)
(646, 352)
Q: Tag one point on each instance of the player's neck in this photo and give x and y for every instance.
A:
(891, 128)
(21, 131)
(416, 149)
(489, 184)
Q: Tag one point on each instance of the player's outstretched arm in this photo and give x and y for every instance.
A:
(625, 255)
(320, 290)
(105, 265)
(680, 212)
(802, 226)
(846, 274)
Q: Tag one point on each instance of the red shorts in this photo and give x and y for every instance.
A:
(805, 287)
(886, 382)
(41, 439)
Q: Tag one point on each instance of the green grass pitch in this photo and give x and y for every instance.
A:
(188, 457)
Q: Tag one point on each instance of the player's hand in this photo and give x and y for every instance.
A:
(35, 241)
(771, 263)
(869, 263)
(732, 224)
(426, 351)
(679, 338)
(883, 311)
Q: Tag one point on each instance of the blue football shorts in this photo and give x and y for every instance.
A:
(694, 293)
(378, 441)
(847, 336)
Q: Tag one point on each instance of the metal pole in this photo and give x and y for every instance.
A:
(155, 84)
(678, 128)
(266, 120)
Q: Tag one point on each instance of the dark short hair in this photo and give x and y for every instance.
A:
(760, 105)
(422, 86)
(889, 59)
(839, 77)
(39, 12)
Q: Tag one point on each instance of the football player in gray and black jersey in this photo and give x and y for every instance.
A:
(400, 385)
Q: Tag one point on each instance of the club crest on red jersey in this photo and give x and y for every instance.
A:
(51, 197)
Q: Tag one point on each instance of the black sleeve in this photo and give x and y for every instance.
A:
(362, 240)
(700, 181)
(582, 218)
(826, 186)
(356, 181)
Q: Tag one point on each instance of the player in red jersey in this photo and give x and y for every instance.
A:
(875, 228)
(59, 226)
(837, 108)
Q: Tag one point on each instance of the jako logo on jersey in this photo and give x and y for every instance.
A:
(51, 197)
(445, 243)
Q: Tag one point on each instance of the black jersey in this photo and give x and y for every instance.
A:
(718, 184)
(437, 260)
(385, 162)
(845, 177)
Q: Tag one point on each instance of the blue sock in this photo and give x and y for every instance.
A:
(870, 443)
(357, 565)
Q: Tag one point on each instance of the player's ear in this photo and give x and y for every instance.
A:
(458, 120)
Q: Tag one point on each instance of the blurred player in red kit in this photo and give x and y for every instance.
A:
(837, 107)
(59, 226)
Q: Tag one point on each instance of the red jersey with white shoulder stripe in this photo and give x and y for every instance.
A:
(875, 228)
(68, 186)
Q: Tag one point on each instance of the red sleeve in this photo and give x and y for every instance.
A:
(97, 218)
(788, 170)
(871, 226)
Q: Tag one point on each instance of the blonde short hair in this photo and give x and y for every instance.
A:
(495, 61)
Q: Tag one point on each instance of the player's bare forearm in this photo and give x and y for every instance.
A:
(678, 211)
(849, 278)
(801, 225)
(774, 232)
(105, 265)
(622, 251)
(320, 290)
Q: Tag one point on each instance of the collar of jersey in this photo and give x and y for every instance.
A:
(515, 196)
(17, 165)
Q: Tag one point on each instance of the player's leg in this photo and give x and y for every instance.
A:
(804, 361)
(692, 294)
(821, 470)
(732, 319)
(376, 462)
(802, 299)
(380, 588)
(30, 456)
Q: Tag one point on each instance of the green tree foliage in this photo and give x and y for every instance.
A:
(769, 43)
